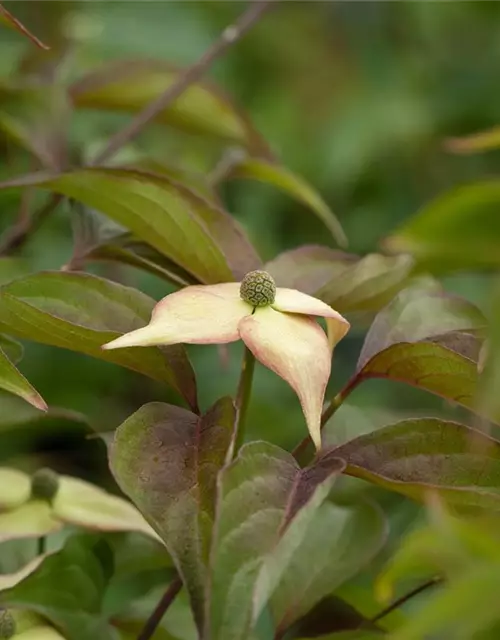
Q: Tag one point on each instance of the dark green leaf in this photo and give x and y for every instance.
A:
(131, 85)
(266, 503)
(344, 281)
(337, 543)
(66, 588)
(415, 457)
(125, 249)
(295, 186)
(166, 460)
(458, 230)
(14, 382)
(197, 235)
(81, 312)
(12, 349)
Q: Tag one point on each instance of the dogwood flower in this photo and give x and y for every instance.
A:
(276, 324)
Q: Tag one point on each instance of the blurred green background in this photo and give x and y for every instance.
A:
(357, 97)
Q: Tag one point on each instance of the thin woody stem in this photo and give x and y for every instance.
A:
(228, 37)
(161, 608)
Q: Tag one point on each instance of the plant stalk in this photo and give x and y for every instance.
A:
(161, 608)
(243, 399)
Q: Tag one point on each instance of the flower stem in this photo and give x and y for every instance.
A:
(243, 398)
(161, 608)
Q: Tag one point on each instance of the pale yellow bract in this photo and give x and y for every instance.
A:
(284, 335)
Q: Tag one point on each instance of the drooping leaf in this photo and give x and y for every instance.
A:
(292, 184)
(166, 460)
(197, 235)
(15, 488)
(13, 381)
(418, 456)
(8, 20)
(458, 230)
(339, 541)
(344, 281)
(66, 588)
(264, 498)
(81, 312)
(131, 85)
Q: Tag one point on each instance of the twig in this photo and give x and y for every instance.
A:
(17, 235)
(403, 599)
(228, 37)
(161, 608)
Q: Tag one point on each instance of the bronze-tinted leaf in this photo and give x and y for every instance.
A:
(419, 456)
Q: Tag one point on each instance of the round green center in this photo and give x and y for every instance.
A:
(258, 289)
(7, 625)
(44, 484)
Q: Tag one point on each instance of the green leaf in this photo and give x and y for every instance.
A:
(166, 460)
(295, 186)
(458, 230)
(126, 249)
(40, 633)
(415, 457)
(15, 488)
(344, 281)
(197, 235)
(267, 504)
(131, 85)
(12, 380)
(8, 20)
(12, 349)
(81, 312)
(337, 543)
(66, 588)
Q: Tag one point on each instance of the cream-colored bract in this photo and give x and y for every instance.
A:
(283, 336)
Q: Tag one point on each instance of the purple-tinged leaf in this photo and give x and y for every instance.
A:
(425, 455)
(419, 314)
(336, 544)
(81, 312)
(166, 460)
(266, 502)
(344, 281)
(131, 85)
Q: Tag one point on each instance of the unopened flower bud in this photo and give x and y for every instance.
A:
(258, 289)
(7, 624)
(44, 484)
